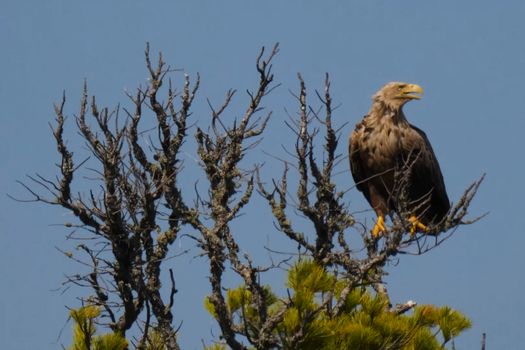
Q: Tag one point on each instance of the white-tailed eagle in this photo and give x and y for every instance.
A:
(384, 144)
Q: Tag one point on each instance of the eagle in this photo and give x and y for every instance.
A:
(382, 146)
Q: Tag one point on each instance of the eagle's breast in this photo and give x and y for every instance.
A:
(381, 143)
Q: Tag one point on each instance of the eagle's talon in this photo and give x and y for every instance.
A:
(379, 227)
(416, 225)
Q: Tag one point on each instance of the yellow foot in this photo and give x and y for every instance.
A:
(416, 225)
(379, 227)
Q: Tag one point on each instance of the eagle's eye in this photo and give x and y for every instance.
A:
(400, 87)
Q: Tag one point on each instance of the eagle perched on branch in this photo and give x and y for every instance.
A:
(383, 145)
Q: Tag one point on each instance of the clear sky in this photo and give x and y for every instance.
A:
(468, 55)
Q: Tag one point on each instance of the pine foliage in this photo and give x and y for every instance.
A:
(84, 330)
(365, 320)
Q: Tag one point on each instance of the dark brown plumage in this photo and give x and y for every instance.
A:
(383, 142)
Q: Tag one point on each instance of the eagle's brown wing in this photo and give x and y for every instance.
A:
(426, 178)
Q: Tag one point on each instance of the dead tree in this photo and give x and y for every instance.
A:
(129, 238)
(136, 215)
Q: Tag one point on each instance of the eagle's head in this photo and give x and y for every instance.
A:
(395, 94)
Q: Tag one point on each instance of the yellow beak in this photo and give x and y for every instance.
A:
(412, 91)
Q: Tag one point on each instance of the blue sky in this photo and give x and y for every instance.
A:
(469, 56)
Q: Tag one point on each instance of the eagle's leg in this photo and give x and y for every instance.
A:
(379, 227)
(416, 225)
